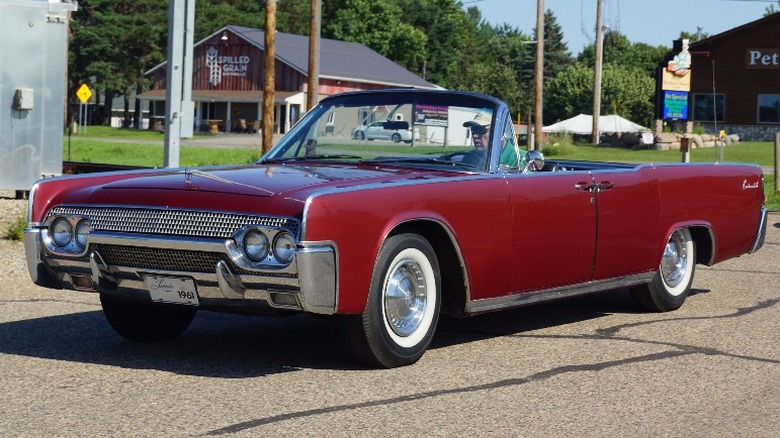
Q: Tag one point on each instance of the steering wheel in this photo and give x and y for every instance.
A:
(455, 157)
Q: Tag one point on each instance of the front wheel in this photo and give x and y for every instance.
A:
(146, 322)
(672, 283)
(403, 304)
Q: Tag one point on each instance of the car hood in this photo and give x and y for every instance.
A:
(241, 188)
(262, 181)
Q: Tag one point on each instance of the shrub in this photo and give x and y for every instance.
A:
(558, 149)
(16, 230)
(559, 139)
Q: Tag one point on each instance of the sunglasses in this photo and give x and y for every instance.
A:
(479, 130)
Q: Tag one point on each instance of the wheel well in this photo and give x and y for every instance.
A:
(453, 282)
(702, 237)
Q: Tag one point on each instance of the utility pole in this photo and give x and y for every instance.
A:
(268, 75)
(314, 55)
(597, 73)
(539, 73)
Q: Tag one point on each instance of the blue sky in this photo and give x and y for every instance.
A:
(655, 22)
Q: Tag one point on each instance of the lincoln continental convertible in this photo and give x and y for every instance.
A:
(385, 237)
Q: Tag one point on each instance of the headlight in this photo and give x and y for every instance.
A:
(284, 247)
(61, 232)
(82, 229)
(256, 245)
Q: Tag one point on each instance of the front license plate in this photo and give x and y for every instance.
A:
(178, 290)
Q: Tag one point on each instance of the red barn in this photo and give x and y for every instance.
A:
(227, 77)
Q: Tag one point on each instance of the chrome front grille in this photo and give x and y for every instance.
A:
(161, 259)
(190, 223)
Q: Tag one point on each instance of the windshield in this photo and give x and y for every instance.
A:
(403, 127)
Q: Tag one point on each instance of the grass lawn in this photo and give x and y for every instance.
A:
(133, 147)
(145, 148)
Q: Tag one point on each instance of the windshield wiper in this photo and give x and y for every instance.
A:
(313, 157)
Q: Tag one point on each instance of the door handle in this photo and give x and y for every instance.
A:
(606, 185)
(584, 186)
(589, 187)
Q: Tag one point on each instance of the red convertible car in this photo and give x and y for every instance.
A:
(386, 237)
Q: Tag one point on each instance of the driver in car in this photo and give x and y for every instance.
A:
(480, 134)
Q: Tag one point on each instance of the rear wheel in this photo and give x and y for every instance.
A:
(396, 137)
(403, 304)
(146, 322)
(672, 283)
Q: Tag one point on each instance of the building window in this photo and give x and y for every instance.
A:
(704, 110)
(769, 108)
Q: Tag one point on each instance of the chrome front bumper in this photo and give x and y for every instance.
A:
(308, 284)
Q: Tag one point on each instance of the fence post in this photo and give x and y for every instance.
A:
(685, 149)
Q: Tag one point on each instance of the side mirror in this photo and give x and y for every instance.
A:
(534, 160)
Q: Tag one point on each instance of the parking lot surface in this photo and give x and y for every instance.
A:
(593, 366)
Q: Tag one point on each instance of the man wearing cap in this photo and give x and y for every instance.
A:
(480, 134)
(511, 157)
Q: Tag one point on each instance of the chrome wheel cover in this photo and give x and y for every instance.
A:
(406, 297)
(674, 263)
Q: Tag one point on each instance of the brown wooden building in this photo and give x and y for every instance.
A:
(228, 69)
(735, 83)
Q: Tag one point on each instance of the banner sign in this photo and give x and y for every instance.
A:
(431, 115)
(671, 81)
(676, 105)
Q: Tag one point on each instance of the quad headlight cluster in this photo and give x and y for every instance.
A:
(265, 246)
(68, 234)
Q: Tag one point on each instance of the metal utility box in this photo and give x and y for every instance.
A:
(33, 62)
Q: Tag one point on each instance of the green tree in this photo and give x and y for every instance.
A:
(293, 16)
(556, 53)
(446, 32)
(114, 42)
(693, 37)
(626, 91)
(619, 50)
(211, 15)
(569, 93)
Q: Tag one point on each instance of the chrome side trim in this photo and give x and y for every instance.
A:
(526, 298)
(760, 232)
(39, 272)
(30, 203)
(317, 277)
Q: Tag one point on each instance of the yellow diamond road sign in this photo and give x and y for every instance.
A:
(84, 93)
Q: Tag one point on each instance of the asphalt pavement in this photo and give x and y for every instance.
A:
(592, 366)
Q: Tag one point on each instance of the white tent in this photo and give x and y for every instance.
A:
(583, 124)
